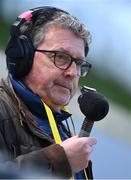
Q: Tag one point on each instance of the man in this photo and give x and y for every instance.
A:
(45, 58)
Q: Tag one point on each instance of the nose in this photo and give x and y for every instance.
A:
(72, 71)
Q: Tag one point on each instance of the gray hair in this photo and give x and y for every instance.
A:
(38, 31)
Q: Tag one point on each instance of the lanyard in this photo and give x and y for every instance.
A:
(53, 125)
(54, 128)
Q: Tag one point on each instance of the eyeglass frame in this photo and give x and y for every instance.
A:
(76, 60)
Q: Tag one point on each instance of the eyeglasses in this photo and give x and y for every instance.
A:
(63, 61)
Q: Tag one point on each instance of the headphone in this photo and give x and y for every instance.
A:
(20, 50)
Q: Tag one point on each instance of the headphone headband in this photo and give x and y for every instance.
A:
(20, 50)
(30, 14)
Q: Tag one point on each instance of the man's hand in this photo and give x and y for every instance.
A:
(78, 150)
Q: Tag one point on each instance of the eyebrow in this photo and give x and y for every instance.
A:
(67, 52)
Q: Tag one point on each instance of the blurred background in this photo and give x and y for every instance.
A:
(110, 56)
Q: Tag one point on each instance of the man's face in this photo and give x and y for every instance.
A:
(55, 86)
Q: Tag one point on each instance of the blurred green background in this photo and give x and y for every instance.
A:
(111, 87)
(110, 56)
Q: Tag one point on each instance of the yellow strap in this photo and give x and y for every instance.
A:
(65, 109)
(53, 125)
(74, 129)
(85, 174)
(54, 128)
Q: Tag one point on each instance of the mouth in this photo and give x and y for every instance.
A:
(65, 87)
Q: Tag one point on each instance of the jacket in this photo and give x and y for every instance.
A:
(24, 146)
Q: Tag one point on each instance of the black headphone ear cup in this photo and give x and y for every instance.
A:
(20, 54)
(27, 51)
(20, 50)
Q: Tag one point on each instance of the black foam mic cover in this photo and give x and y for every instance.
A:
(95, 107)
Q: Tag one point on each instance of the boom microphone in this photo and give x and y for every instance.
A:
(95, 107)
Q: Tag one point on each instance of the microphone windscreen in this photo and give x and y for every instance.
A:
(93, 105)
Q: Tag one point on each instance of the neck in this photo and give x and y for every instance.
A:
(54, 107)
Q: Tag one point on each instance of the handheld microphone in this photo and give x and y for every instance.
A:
(95, 107)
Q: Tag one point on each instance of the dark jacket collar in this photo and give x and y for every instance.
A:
(34, 102)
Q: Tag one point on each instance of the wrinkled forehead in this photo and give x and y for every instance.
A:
(58, 38)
